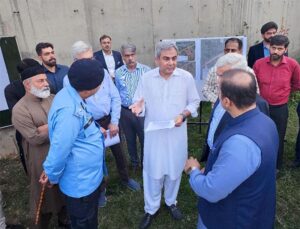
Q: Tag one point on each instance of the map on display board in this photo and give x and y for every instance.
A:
(198, 55)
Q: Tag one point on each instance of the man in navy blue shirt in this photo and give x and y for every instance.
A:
(55, 72)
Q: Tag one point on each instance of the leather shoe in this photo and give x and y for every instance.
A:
(175, 212)
(146, 221)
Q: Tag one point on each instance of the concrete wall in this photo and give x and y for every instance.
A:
(63, 22)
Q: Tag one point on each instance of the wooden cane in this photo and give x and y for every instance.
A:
(38, 211)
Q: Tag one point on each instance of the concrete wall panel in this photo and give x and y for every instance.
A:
(143, 23)
(125, 21)
(63, 22)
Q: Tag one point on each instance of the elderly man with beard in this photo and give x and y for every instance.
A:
(55, 72)
(29, 117)
(277, 77)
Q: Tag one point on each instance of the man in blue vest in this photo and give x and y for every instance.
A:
(237, 189)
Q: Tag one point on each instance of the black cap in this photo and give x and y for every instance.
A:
(85, 74)
(26, 63)
(32, 71)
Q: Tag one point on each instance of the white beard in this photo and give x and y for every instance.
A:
(40, 93)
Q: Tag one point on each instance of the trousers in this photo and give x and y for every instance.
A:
(83, 212)
(153, 188)
(133, 127)
(117, 152)
(279, 114)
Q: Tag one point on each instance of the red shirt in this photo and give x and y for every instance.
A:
(276, 82)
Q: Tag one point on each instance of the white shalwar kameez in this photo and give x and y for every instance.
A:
(165, 151)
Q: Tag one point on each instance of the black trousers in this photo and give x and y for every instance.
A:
(21, 151)
(83, 212)
(133, 127)
(116, 151)
(297, 154)
(279, 114)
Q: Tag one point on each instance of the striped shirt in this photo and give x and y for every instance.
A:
(127, 81)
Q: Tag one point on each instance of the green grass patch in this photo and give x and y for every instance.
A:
(125, 208)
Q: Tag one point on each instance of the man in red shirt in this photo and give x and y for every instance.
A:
(277, 77)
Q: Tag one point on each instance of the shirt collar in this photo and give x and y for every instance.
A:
(138, 66)
(80, 105)
(104, 54)
(175, 72)
(264, 45)
(57, 67)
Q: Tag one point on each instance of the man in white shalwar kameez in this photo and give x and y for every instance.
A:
(165, 93)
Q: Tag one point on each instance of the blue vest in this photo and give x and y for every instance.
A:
(252, 203)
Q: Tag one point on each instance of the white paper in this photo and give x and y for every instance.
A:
(160, 125)
(111, 141)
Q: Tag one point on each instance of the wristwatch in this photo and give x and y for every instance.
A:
(192, 169)
(183, 117)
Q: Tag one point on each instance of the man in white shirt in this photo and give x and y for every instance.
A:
(110, 59)
(165, 93)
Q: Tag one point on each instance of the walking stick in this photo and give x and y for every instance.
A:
(38, 211)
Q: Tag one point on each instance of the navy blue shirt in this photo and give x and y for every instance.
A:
(56, 78)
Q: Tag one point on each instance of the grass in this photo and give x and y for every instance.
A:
(125, 208)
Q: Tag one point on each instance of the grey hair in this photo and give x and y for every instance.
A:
(238, 61)
(129, 47)
(164, 45)
(79, 47)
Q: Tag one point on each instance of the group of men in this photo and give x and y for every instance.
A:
(63, 135)
(33, 100)
(244, 147)
(277, 76)
(63, 115)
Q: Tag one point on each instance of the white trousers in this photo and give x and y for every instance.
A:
(153, 189)
(2, 218)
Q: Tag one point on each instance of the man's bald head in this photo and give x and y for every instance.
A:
(239, 86)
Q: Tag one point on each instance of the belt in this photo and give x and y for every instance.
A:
(125, 107)
(104, 118)
(277, 106)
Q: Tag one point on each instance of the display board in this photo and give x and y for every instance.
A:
(4, 81)
(198, 55)
(9, 58)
